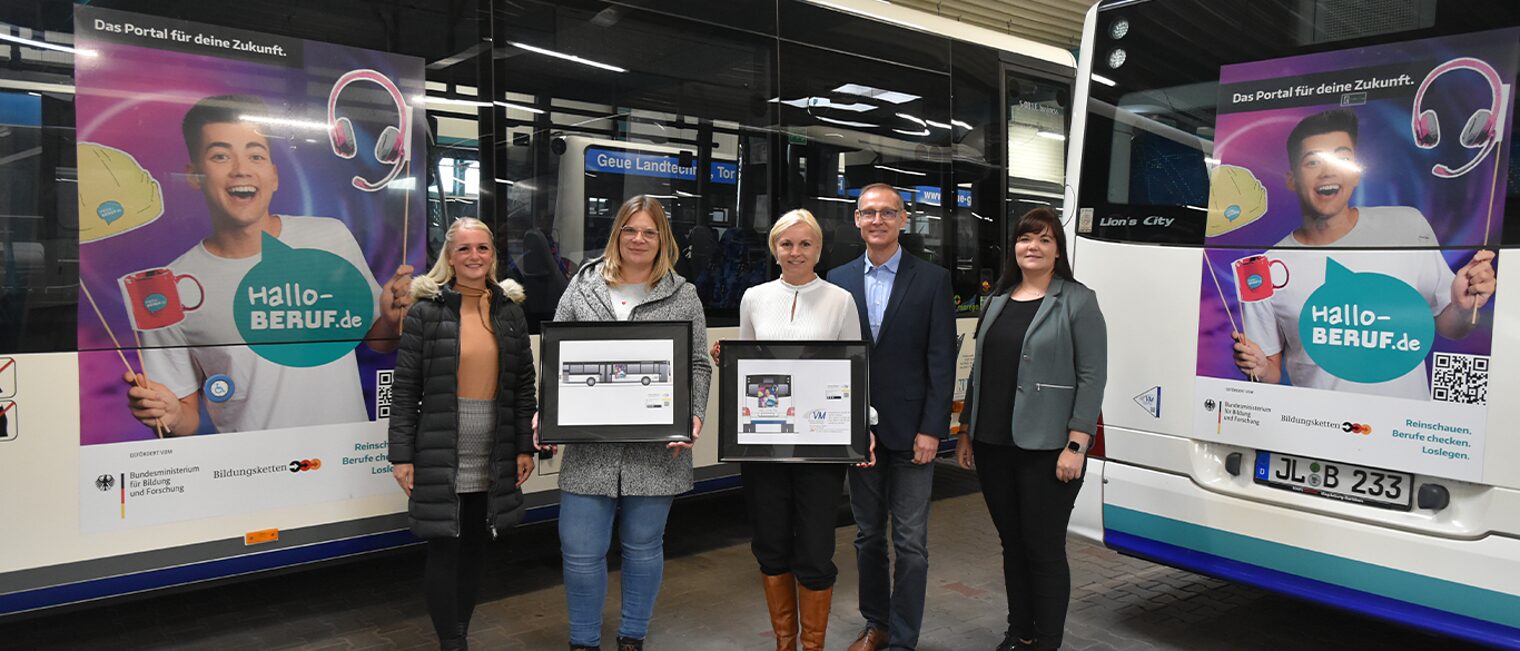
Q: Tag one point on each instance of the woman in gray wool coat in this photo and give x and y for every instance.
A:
(635, 280)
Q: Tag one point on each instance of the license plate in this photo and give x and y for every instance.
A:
(1335, 480)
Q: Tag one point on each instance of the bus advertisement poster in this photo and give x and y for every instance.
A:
(250, 217)
(1346, 310)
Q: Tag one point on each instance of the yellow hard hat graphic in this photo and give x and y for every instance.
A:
(1236, 198)
(116, 194)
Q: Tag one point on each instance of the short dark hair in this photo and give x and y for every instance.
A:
(881, 186)
(218, 109)
(1034, 221)
(1318, 124)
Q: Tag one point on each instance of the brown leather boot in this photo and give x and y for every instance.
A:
(814, 605)
(781, 598)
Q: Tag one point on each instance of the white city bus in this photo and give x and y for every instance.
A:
(621, 372)
(734, 112)
(768, 405)
(1305, 392)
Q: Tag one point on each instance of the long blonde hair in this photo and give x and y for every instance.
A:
(665, 256)
(428, 286)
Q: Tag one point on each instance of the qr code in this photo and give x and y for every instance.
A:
(383, 381)
(1459, 378)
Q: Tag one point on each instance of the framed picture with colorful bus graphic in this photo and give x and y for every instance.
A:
(616, 382)
(798, 401)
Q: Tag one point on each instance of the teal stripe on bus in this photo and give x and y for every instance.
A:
(1479, 603)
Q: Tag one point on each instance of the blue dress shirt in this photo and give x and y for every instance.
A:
(879, 281)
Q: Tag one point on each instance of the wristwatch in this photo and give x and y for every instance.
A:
(1074, 446)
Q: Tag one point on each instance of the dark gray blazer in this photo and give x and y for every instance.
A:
(1063, 370)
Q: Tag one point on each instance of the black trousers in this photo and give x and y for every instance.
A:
(793, 509)
(1030, 509)
(452, 575)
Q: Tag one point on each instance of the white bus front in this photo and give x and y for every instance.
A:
(1290, 211)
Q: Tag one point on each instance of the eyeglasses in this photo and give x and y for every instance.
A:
(631, 233)
(886, 214)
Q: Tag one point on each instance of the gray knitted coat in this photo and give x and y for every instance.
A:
(616, 469)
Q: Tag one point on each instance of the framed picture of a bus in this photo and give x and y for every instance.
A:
(615, 382)
(797, 401)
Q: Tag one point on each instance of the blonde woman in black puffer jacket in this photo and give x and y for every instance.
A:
(461, 437)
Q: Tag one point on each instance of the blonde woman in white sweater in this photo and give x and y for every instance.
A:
(792, 506)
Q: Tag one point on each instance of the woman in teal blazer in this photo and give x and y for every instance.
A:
(1031, 409)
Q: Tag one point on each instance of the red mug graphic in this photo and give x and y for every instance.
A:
(153, 299)
(1253, 278)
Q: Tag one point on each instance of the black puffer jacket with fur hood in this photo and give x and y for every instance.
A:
(424, 427)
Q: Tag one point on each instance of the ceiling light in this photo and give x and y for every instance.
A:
(434, 99)
(846, 123)
(284, 122)
(45, 45)
(567, 57)
(519, 107)
(910, 118)
(899, 171)
(862, 90)
(824, 102)
(1104, 80)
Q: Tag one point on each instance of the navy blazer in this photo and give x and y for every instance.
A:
(913, 357)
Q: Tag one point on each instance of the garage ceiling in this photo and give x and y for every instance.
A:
(1056, 22)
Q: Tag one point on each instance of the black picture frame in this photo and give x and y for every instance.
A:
(854, 354)
(581, 357)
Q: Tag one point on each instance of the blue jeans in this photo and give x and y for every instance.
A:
(892, 599)
(585, 533)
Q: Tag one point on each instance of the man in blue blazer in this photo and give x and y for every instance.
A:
(907, 307)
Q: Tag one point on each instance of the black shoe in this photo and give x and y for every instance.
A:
(1011, 642)
(577, 647)
(630, 644)
(457, 641)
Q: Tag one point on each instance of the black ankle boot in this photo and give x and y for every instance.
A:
(630, 644)
(458, 641)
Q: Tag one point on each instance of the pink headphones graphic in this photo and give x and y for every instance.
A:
(1482, 130)
(393, 145)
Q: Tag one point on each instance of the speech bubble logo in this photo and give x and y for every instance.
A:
(1236, 198)
(1365, 327)
(302, 307)
(116, 194)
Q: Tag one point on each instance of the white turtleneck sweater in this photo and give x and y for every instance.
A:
(815, 311)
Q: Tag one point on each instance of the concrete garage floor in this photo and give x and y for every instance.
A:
(711, 599)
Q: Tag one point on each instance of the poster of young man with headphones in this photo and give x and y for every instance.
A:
(250, 216)
(1356, 208)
